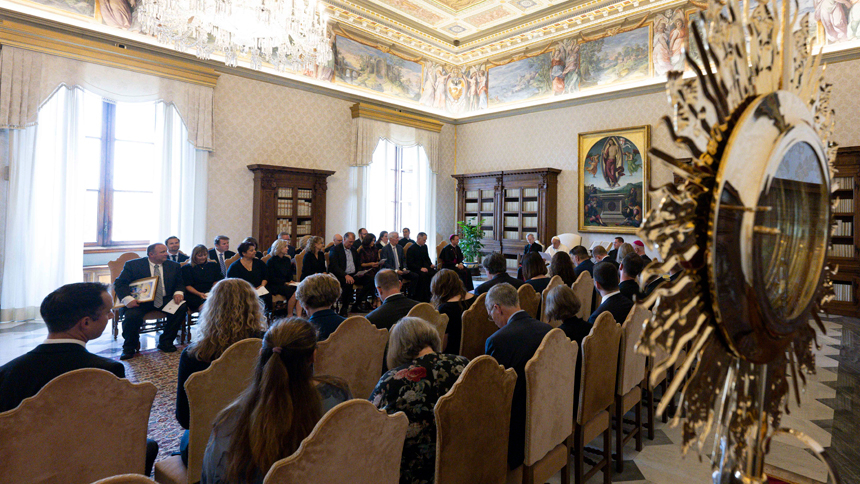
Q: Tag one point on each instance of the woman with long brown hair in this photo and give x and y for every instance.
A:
(450, 297)
(276, 412)
(562, 266)
(232, 313)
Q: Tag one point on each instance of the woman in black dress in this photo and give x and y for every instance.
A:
(251, 269)
(314, 258)
(451, 298)
(280, 266)
(199, 275)
(252, 240)
(534, 271)
(451, 257)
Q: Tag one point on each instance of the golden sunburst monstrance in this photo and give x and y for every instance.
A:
(750, 227)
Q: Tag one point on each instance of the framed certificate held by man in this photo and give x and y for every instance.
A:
(142, 290)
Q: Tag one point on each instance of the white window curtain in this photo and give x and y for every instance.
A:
(44, 235)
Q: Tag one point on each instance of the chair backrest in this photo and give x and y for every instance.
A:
(529, 300)
(116, 266)
(631, 364)
(82, 426)
(354, 442)
(554, 282)
(266, 257)
(467, 449)
(300, 257)
(126, 479)
(477, 327)
(406, 248)
(570, 240)
(584, 290)
(439, 248)
(329, 246)
(599, 366)
(183, 264)
(354, 352)
(228, 262)
(212, 390)
(428, 313)
(550, 377)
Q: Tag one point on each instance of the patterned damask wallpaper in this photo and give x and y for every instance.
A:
(549, 138)
(258, 122)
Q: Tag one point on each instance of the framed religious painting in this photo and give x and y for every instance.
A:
(613, 168)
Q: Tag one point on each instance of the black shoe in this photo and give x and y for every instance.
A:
(167, 348)
(127, 354)
(359, 308)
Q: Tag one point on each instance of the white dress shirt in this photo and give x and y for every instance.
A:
(609, 296)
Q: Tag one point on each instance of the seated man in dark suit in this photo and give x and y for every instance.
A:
(600, 255)
(396, 261)
(344, 263)
(606, 282)
(497, 269)
(173, 252)
(394, 304)
(582, 261)
(221, 252)
(317, 294)
(513, 345)
(418, 261)
(170, 286)
(631, 267)
(616, 245)
(74, 313)
(532, 246)
(405, 239)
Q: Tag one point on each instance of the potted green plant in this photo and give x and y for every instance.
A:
(470, 242)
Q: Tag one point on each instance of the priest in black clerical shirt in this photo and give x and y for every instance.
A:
(418, 261)
(532, 246)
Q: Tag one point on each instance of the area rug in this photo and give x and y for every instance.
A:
(160, 369)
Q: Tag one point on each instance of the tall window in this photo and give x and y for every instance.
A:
(398, 181)
(121, 172)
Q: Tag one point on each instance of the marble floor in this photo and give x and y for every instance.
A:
(829, 413)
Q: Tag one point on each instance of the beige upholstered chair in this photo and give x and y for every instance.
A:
(529, 300)
(550, 377)
(354, 352)
(468, 450)
(115, 267)
(126, 479)
(596, 396)
(406, 248)
(570, 240)
(439, 247)
(428, 313)
(477, 327)
(629, 381)
(266, 257)
(584, 290)
(354, 442)
(210, 391)
(554, 282)
(82, 426)
(300, 257)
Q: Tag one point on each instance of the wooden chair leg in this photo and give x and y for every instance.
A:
(650, 409)
(664, 388)
(619, 435)
(579, 462)
(607, 454)
(638, 411)
(528, 474)
(565, 471)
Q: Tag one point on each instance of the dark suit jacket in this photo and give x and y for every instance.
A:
(139, 269)
(499, 279)
(513, 346)
(613, 255)
(388, 255)
(24, 376)
(326, 321)
(618, 305)
(450, 257)
(645, 259)
(180, 257)
(533, 248)
(585, 265)
(418, 257)
(337, 261)
(630, 289)
(213, 254)
(402, 242)
(395, 307)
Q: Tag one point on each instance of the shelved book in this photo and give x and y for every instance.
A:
(844, 183)
(844, 229)
(845, 205)
(842, 250)
(843, 292)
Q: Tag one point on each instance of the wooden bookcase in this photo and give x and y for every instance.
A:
(512, 205)
(288, 199)
(845, 241)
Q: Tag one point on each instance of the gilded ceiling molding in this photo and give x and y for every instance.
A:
(382, 47)
(522, 56)
(103, 52)
(378, 113)
(614, 31)
(702, 5)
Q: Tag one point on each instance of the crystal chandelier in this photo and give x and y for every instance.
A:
(285, 33)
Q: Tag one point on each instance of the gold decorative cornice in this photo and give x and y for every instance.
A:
(338, 30)
(102, 52)
(614, 30)
(362, 110)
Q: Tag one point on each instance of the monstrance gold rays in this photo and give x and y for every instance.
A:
(757, 87)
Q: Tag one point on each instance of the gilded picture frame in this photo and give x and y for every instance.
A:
(142, 290)
(613, 179)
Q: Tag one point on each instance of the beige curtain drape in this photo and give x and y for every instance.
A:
(28, 79)
(366, 134)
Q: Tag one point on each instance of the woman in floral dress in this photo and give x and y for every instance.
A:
(420, 376)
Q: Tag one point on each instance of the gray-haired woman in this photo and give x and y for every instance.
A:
(420, 375)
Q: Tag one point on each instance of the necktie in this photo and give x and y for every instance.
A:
(223, 266)
(396, 259)
(174, 257)
(159, 290)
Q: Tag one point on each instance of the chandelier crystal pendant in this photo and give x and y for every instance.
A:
(285, 33)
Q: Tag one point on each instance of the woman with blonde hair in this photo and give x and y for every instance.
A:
(314, 258)
(232, 312)
(280, 266)
(624, 250)
(449, 297)
(276, 412)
